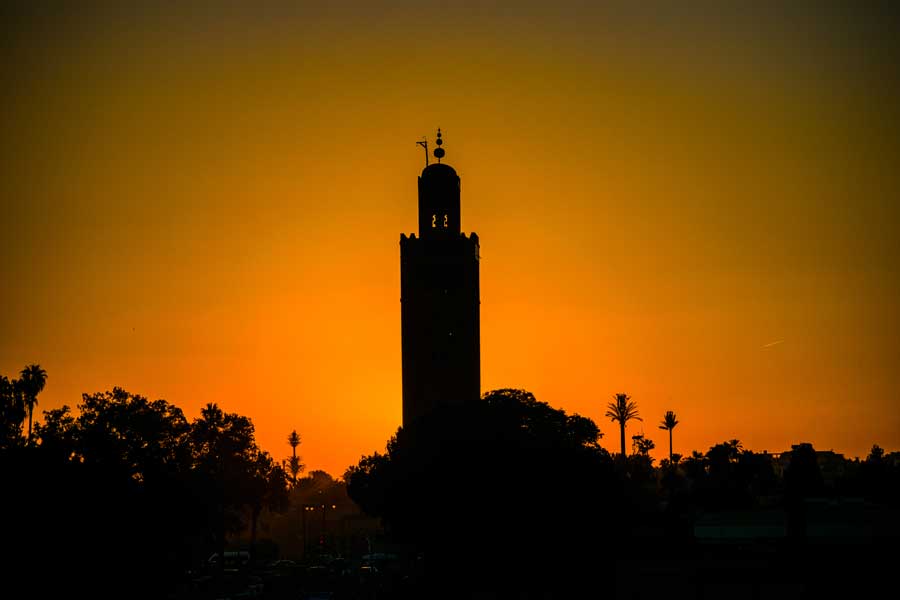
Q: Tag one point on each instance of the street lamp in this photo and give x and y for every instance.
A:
(306, 508)
(324, 525)
(310, 508)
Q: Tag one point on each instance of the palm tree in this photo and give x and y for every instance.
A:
(294, 441)
(622, 410)
(669, 422)
(33, 378)
(294, 465)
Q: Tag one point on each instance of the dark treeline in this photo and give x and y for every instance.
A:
(127, 493)
(503, 497)
(514, 498)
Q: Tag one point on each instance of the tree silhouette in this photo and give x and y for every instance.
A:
(12, 412)
(224, 450)
(694, 465)
(642, 445)
(150, 472)
(876, 455)
(622, 411)
(59, 435)
(722, 457)
(129, 460)
(802, 479)
(33, 378)
(294, 464)
(267, 487)
(669, 422)
(507, 488)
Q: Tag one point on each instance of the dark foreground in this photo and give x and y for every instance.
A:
(644, 569)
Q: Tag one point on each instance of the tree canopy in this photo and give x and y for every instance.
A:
(150, 489)
(508, 469)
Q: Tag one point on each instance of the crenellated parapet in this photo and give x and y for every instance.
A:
(412, 236)
(458, 246)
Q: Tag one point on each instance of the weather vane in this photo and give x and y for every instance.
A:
(424, 144)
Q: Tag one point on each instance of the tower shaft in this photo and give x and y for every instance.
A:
(440, 305)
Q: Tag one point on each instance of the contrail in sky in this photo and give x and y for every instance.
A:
(770, 344)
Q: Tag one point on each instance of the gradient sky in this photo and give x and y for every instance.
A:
(697, 206)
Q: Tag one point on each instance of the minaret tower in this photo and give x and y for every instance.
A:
(439, 298)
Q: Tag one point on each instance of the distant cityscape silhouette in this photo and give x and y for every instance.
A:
(493, 495)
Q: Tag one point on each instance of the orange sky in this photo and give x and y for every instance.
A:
(698, 207)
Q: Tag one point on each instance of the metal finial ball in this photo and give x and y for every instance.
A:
(440, 141)
(439, 152)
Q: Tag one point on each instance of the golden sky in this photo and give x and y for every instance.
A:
(697, 206)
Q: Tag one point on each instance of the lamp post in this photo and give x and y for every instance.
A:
(310, 508)
(306, 508)
(325, 507)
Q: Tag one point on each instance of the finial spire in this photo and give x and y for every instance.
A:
(439, 152)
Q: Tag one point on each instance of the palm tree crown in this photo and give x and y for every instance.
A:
(32, 380)
(669, 422)
(294, 441)
(622, 411)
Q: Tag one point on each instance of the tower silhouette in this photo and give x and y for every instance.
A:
(439, 299)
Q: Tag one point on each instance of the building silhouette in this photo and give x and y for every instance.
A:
(439, 299)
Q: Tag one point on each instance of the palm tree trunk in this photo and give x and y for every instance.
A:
(670, 445)
(30, 410)
(622, 438)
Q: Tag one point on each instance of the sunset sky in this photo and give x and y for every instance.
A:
(698, 206)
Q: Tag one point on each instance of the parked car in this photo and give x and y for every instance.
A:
(234, 559)
(283, 566)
